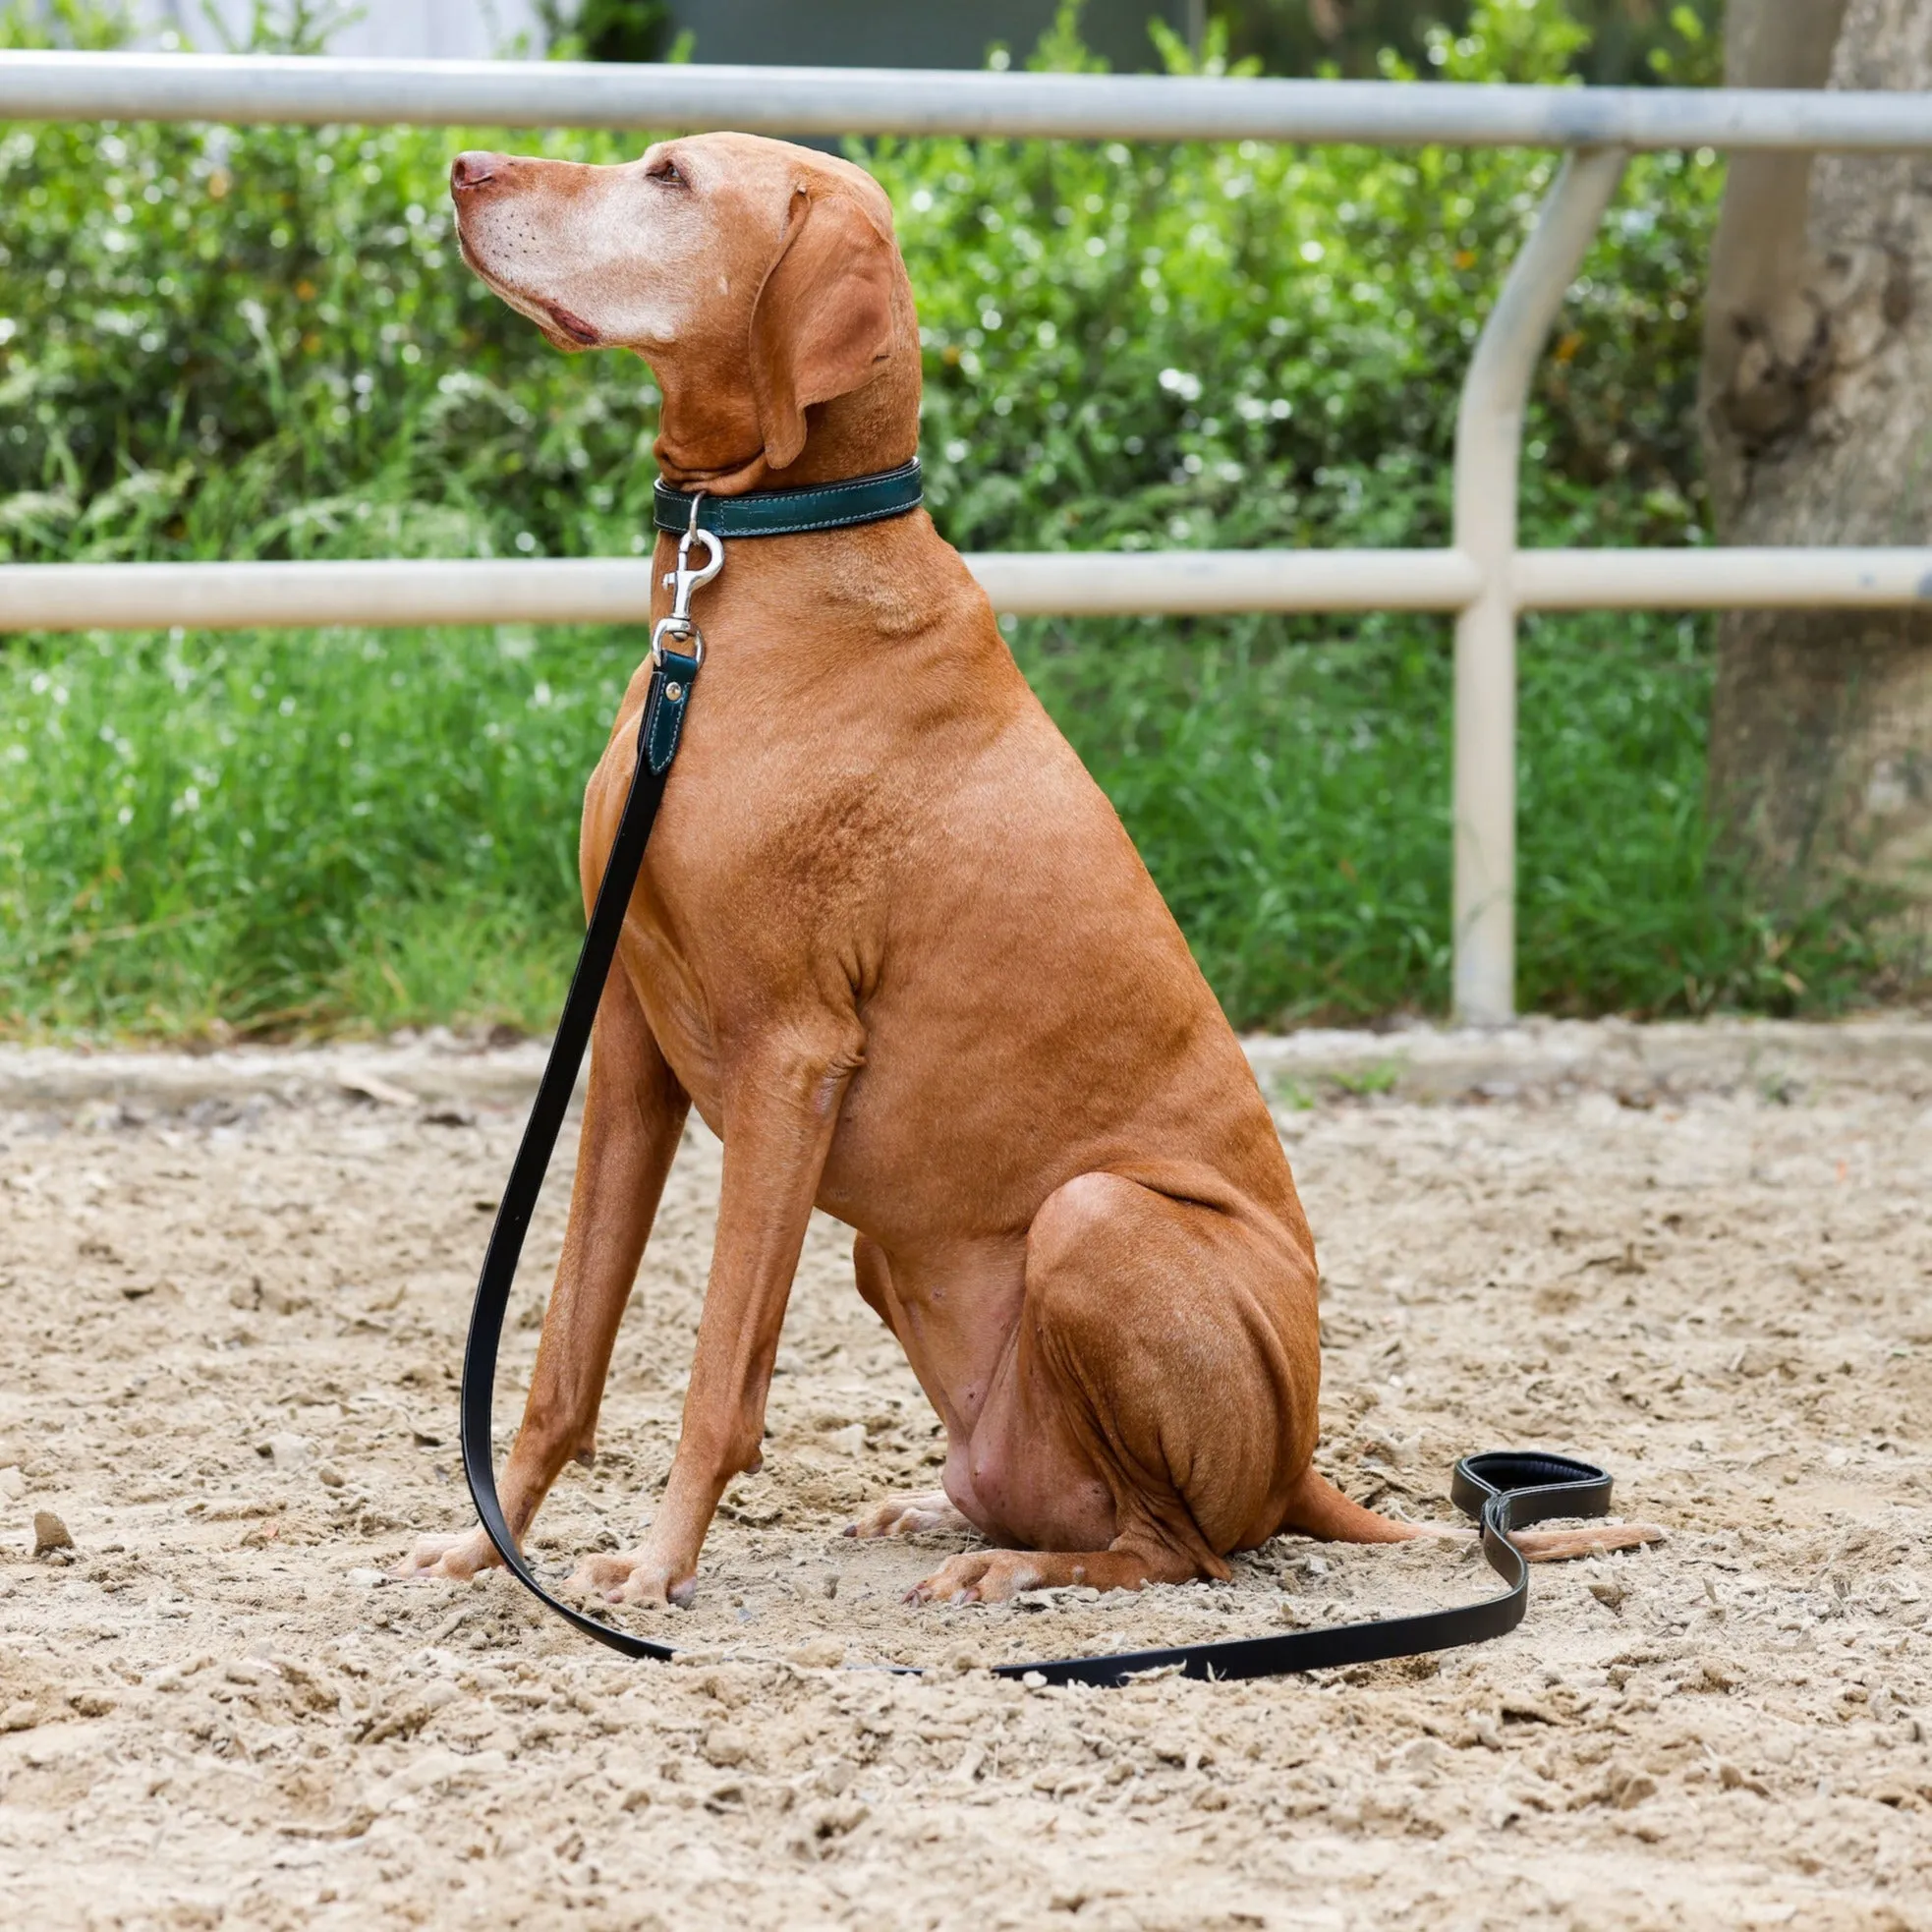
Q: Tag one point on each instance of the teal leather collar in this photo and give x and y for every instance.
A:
(793, 512)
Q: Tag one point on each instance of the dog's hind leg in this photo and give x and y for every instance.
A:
(1160, 1381)
(909, 1515)
(632, 1115)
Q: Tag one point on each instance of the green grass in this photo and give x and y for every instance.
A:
(1292, 800)
(304, 831)
(293, 829)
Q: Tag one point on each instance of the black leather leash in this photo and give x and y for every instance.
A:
(664, 706)
(1504, 1491)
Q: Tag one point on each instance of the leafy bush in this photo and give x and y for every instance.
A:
(237, 343)
(1628, 41)
(229, 341)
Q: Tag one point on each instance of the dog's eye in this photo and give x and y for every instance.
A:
(667, 171)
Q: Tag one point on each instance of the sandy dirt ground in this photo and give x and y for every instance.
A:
(235, 1290)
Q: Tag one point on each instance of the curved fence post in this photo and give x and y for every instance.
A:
(1487, 442)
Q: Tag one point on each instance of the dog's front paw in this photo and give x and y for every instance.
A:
(458, 1557)
(634, 1576)
(979, 1576)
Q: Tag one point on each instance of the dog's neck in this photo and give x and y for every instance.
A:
(708, 433)
(852, 435)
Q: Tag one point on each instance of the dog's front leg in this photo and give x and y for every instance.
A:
(633, 1112)
(781, 1109)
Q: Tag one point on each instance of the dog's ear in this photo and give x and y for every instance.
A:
(823, 323)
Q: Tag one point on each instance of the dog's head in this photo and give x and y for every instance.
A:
(760, 280)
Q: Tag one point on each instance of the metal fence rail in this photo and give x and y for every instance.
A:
(1485, 580)
(840, 101)
(230, 597)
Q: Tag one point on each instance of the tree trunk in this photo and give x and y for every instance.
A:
(1817, 409)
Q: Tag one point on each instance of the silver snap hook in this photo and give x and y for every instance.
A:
(684, 581)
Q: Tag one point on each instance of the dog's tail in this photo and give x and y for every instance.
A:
(1317, 1508)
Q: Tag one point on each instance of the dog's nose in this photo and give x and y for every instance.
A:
(473, 169)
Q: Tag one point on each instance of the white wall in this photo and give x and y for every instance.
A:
(437, 29)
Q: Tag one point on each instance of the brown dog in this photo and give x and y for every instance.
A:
(894, 944)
